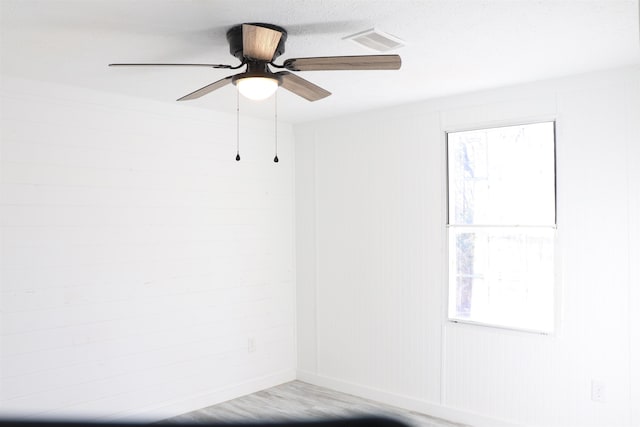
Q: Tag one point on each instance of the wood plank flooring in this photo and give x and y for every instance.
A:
(297, 401)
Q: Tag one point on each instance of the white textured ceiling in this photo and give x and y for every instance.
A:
(452, 46)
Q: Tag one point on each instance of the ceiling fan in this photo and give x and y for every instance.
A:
(256, 45)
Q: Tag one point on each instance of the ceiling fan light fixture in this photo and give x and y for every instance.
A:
(257, 88)
(256, 45)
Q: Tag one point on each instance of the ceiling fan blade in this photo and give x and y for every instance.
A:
(259, 42)
(364, 62)
(172, 65)
(208, 88)
(302, 87)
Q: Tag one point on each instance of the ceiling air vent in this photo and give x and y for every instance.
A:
(376, 40)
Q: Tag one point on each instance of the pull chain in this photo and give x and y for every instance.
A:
(237, 126)
(275, 159)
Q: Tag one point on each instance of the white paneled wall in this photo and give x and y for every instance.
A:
(633, 156)
(370, 263)
(139, 259)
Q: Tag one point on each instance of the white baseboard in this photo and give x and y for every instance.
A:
(192, 403)
(202, 400)
(405, 402)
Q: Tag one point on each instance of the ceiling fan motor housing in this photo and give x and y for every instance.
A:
(257, 69)
(234, 37)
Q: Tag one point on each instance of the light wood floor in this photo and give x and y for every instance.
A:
(297, 400)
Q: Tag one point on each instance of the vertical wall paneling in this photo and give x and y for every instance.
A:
(138, 257)
(370, 255)
(306, 266)
(633, 156)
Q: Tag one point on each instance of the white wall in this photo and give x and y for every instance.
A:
(633, 159)
(138, 258)
(371, 260)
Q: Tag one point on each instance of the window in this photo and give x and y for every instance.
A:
(501, 226)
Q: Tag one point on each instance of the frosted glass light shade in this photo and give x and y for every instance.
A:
(257, 88)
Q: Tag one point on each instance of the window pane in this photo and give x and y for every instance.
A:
(502, 176)
(503, 276)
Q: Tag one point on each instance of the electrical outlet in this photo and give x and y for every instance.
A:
(597, 391)
(251, 345)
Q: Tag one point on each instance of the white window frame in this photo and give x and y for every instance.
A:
(556, 263)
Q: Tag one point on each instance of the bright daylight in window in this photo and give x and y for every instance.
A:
(502, 225)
